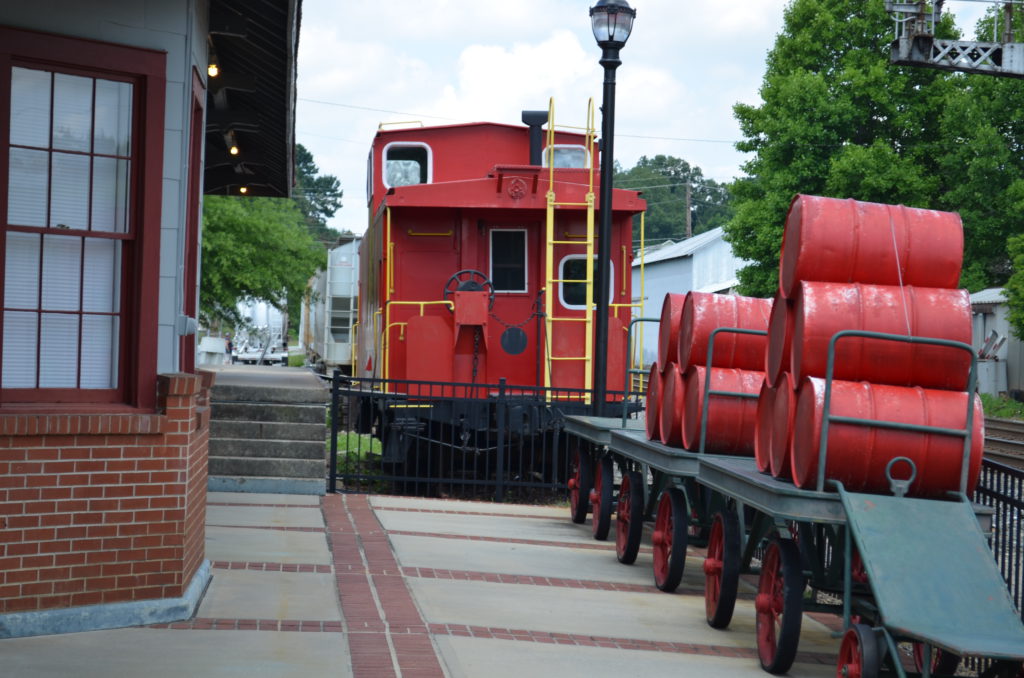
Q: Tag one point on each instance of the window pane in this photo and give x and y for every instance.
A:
(30, 107)
(21, 271)
(574, 293)
(69, 197)
(112, 134)
(568, 157)
(109, 194)
(27, 184)
(508, 261)
(62, 259)
(99, 351)
(101, 281)
(405, 165)
(58, 343)
(72, 112)
(19, 364)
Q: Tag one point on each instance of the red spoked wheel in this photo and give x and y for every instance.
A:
(943, 663)
(629, 522)
(859, 655)
(670, 539)
(722, 569)
(601, 498)
(581, 480)
(779, 605)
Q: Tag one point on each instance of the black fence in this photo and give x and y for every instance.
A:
(465, 440)
(1002, 488)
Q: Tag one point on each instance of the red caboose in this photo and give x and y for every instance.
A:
(475, 260)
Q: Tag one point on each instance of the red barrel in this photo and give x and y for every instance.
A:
(731, 421)
(832, 240)
(763, 427)
(703, 313)
(780, 339)
(672, 402)
(652, 405)
(822, 309)
(783, 414)
(857, 455)
(668, 330)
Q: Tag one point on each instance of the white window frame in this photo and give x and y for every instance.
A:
(526, 259)
(406, 144)
(586, 154)
(561, 285)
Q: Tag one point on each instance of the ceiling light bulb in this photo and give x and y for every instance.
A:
(233, 150)
(212, 70)
(243, 190)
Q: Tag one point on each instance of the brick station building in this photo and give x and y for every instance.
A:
(112, 127)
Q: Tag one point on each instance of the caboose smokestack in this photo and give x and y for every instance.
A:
(534, 120)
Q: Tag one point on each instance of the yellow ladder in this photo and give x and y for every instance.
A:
(551, 320)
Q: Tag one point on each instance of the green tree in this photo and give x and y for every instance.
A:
(254, 248)
(663, 180)
(317, 195)
(837, 120)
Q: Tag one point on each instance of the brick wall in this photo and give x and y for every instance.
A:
(104, 508)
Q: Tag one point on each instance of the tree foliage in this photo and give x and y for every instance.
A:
(317, 195)
(663, 180)
(254, 248)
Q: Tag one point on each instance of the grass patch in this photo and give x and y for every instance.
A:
(355, 448)
(296, 360)
(1002, 407)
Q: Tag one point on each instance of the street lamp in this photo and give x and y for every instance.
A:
(612, 21)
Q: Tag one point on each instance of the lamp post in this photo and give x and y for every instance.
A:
(611, 21)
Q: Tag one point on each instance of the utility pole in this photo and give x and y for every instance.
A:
(689, 213)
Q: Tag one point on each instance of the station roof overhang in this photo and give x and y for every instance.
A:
(251, 102)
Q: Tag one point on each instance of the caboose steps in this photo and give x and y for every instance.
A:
(268, 431)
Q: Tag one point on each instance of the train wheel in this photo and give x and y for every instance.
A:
(943, 663)
(779, 605)
(859, 655)
(670, 539)
(580, 483)
(629, 518)
(722, 569)
(601, 498)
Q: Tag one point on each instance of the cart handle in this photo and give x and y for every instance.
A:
(629, 347)
(707, 378)
(827, 417)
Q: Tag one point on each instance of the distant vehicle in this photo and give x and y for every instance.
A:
(329, 310)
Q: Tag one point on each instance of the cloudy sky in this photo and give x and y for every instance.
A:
(686, 64)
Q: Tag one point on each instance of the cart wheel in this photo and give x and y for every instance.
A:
(722, 569)
(859, 655)
(943, 663)
(601, 498)
(580, 482)
(670, 539)
(629, 519)
(779, 605)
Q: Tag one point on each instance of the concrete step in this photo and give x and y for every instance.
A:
(269, 484)
(282, 449)
(271, 394)
(263, 467)
(263, 430)
(276, 412)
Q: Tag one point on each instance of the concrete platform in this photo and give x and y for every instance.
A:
(370, 587)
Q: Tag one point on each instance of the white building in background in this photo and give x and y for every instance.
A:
(704, 263)
(1001, 355)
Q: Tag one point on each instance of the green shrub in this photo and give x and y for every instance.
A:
(1002, 407)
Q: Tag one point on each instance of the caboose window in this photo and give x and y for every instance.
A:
(573, 292)
(508, 260)
(406, 164)
(567, 156)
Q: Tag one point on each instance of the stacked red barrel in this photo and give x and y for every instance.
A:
(687, 322)
(855, 265)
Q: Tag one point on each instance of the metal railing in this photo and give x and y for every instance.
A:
(439, 439)
(1001, 487)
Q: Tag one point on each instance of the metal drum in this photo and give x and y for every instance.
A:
(672, 402)
(858, 455)
(783, 413)
(731, 421)
(821, 309)
(652, 404)
(780, 338)
(763, 427)
(832, 240)
(668, 328)
(703, 313)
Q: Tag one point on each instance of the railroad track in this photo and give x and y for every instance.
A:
(1004, 441)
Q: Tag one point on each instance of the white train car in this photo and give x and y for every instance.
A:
(329, 311)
